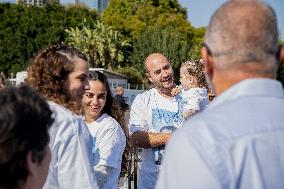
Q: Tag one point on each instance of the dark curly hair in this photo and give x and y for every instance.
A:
(113, 109)
(196, 69)
(49, 70)
(25, 118)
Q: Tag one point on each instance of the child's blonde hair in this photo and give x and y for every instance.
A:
(196, 69)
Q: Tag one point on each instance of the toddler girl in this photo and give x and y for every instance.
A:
(193, 87)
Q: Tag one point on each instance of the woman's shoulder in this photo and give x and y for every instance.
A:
(108, 122)
(60, 111)
(65, 120)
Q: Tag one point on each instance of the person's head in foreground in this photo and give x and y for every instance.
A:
(240, 43)
(237, 141)
(160, 73)
(24, 122)
(60, 74)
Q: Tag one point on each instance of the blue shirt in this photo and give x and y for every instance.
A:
(236, 142)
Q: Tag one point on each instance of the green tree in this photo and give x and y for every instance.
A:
(24, 30)
(133, 17)
(104, 46)
(137, 19)
(163, 40)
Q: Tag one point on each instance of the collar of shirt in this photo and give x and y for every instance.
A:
(250, 87)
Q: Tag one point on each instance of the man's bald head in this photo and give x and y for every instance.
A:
(244, 32)
(154, 58)
(160, 73)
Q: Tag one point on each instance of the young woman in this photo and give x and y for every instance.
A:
(59, 73)
(105, 122)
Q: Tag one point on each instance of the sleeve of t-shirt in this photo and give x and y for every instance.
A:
(111, 147)
(138, 114)
(184, 171)
(74, 158)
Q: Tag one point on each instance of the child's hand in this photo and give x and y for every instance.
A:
(176, 90)
(187, 113)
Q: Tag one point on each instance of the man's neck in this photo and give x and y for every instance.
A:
(167, 93)
(220, 85)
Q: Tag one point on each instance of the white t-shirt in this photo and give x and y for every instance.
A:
(154, 113)
(108, 146)
(195, 99)
(72, 158)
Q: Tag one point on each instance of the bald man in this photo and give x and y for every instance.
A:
(154, 115)
(238, 141)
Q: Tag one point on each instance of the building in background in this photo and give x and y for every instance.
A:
(99, 5)
(33, 2)
(114, 79)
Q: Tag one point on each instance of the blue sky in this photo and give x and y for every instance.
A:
(199, 11)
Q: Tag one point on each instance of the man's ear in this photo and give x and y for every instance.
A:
(208, 62)
(149, 77)
(281, 55)
(32, 164)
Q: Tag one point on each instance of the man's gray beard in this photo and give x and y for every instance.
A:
(162, 89)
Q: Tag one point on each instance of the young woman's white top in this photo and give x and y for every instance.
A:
(72, 158)
(108, 146)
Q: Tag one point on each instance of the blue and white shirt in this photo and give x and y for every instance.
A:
(152, 112)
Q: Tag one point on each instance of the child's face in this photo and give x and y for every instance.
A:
(187, 81)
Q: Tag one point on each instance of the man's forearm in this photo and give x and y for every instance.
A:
(144, 139)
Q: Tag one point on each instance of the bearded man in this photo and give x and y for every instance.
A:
(154, 115)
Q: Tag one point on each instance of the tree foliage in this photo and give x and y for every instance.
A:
(133, 17)
(24, 30)
(104, 46)
(155, 26)
(148, 25)
(164, 40)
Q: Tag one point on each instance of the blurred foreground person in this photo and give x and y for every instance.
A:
(60, 74)
(238, 140)
(24, 153)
